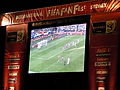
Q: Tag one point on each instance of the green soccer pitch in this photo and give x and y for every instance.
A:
(47, 58)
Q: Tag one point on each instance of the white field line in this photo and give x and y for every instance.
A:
(47, 47)
(76, 48)
(55, 62)
(58, 53)
(55, 54)
(52, 57)
(81, 39)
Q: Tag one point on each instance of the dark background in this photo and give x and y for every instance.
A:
(32, 4)
(54, 83)
(47, 81)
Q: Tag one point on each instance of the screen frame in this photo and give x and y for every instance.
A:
(57, 23)
(51, 78)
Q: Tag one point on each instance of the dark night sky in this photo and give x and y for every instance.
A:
(32, 4)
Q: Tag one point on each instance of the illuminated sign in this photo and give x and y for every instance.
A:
(60, 11)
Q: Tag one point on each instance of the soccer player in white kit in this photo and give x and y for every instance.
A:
(68, 61)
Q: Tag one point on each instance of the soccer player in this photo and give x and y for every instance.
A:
(39, 45)
(62, 60)
(68, 61)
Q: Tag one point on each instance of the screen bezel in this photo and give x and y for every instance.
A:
(42, 78)
(57, 23)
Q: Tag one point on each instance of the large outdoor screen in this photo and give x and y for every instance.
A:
(58, 49)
